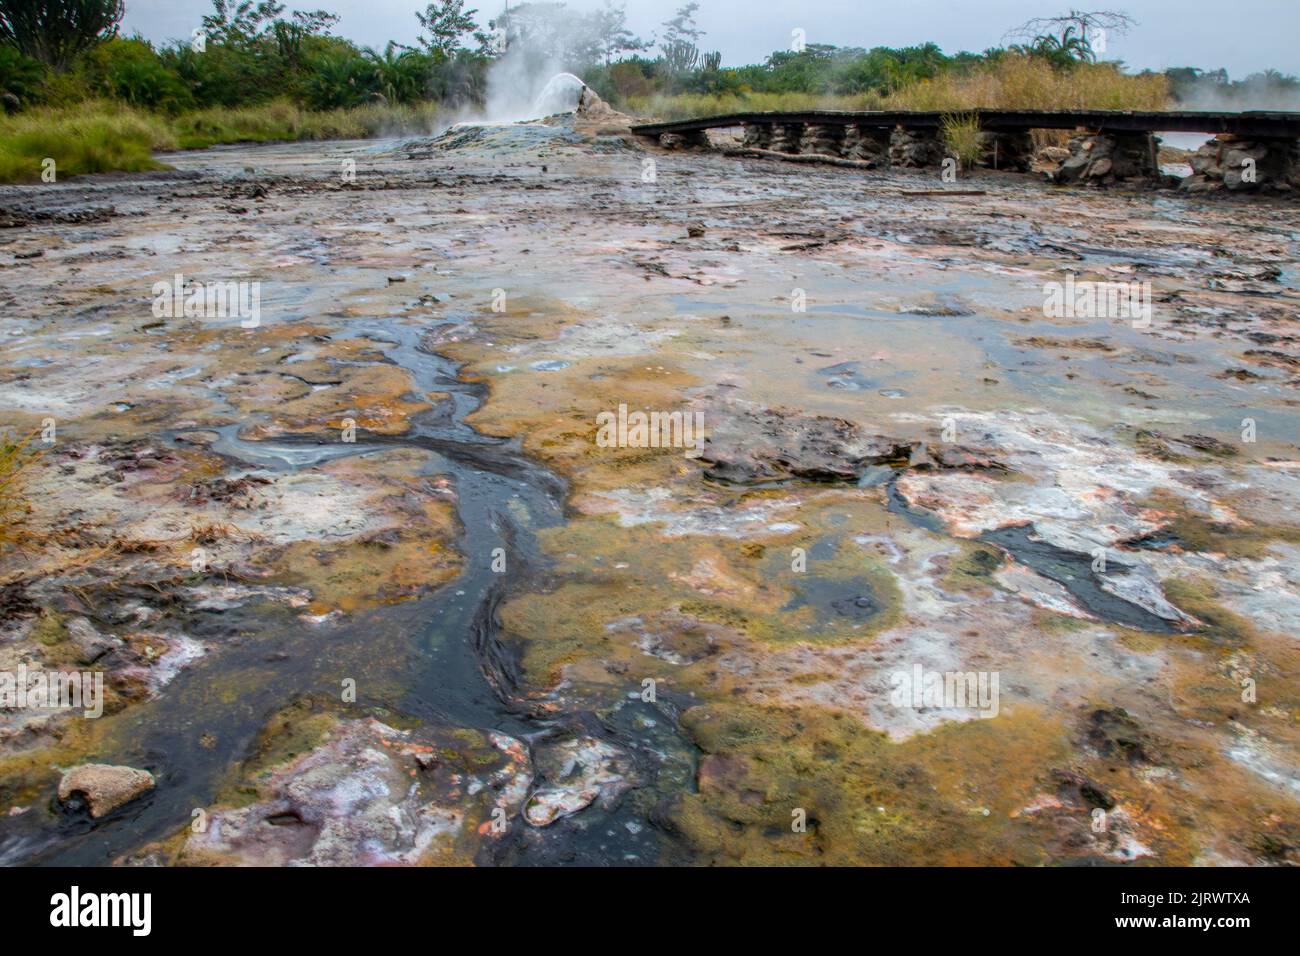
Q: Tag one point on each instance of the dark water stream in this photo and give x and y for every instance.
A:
(440, 659)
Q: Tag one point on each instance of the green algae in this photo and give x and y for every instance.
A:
(608, 573)
(1222, 627)
(943, 797)
(973, 569)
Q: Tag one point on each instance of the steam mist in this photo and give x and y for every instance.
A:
(1213, 91)
(542, 42)
(522, 85)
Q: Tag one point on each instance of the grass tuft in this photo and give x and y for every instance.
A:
(16, 457)
(961, 134)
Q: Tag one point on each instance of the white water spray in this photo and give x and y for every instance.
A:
(561, 94)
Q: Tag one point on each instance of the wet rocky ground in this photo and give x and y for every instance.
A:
(365, 588)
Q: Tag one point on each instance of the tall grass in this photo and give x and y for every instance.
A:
(1013, 82)
(1029, 83)
(98, 136)
(282, 121)
(686, 105)
(93, 137)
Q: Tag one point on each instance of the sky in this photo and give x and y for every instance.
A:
(1243, 38)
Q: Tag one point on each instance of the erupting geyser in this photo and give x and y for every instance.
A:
(561, 94)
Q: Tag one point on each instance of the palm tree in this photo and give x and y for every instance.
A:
(56, 31)
(401, 77)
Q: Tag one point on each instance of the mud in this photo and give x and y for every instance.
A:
(648, 655)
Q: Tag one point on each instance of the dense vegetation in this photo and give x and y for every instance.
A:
(76, 90)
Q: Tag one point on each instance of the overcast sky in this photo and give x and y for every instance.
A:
(1244, 37)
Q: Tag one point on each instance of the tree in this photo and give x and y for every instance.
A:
(20, 78)
(1072, 36)
(340, 79)
(1067, 49)
(401, 75)
(131, 70)
(290, 34)
(446, 22)
(240, 24)
(57, 31)
(550, 34)
(681, 28)
(613, 32)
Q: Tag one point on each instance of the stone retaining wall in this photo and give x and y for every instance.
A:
(1102, 159)
(1245, 165)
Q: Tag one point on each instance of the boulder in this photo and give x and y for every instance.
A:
(91, 645)
(753, 445)
(102, 788)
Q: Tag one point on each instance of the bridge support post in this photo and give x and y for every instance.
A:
(696, 139)
(866, 144)
(915, 148)
(1245, 164)
(1007, 151)
(824, 140)
(786, 137)
(1103, 159)
(758, 135)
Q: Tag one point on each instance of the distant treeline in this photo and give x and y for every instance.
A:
(249, 52)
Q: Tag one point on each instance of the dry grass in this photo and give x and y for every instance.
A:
(1014, 82)
(685, 105)
(1026, 83)
(16, 459)
(961, 134)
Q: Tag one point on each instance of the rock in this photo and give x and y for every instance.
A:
(1116, 736)
(91, 645)
(758, 135)
(786, 137)
(823, 140)
(103, 787)
(590, 104)
(750, 445)
(695, 230)
(965, 457)
(698, 139)
(1210, 445)
(1103, 159)
(369, 794)
(547, 806)
(915, 149)
(1244, 165)
(866, 144)
(578, 772)
(200, 437)
(1080, 790)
